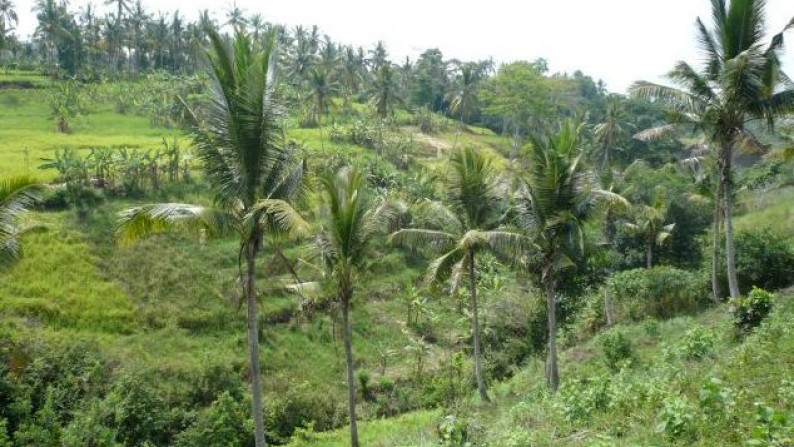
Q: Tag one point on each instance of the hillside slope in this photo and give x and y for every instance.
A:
(690, 382)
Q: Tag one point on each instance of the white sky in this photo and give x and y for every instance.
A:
(619, 41)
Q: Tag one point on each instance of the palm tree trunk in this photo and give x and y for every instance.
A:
(253, 347)
(457, 134)
(475, 319)
(552, 373)
(715, 246)
(730, 250)
(649, 254)
(351, 383)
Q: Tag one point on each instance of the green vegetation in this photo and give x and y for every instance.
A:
(250, 235)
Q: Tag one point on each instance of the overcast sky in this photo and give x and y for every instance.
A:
(619, 41)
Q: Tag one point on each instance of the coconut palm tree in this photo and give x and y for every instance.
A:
(50, 28)
(648, 223)
(8, 15)
(555, 200)
(463, 98)
(470, 224)
(349, 228)
(384, 91)
(612, 133)
(235, 17)
(17, 195)
(322, 89)
(253, 175)
(351, 73)
(118, 37)
(741, 80)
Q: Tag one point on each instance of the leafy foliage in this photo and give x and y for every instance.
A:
(748, 312)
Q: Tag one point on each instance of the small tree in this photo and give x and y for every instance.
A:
(470, 225)
(554, 202)
(648, 223)
(348, 230)
(253, 175)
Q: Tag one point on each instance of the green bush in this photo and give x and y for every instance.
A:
(764, 259)
(748, 312)
(580, 399)
(617, 350)
(660, 292)
(226, 423)
(678, 418)
(696, 344)
(457, 431)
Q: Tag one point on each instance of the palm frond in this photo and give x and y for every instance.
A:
(656, 133)
(442, 268)
(17, 195)
(146, 220)
(672, 97)
(686, 76)
(435, 215)
(508, 244)
(278, 218)
(748, 143)
(420, 239)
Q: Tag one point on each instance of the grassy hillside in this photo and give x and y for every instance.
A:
(168, 307)
(688, 381)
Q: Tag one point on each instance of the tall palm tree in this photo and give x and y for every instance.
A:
(351, 73)
(258, 25)
(463, 96)
(137, 20)
(322, 89)
(384, 91)
(348, 230)
(470, 224)
(235, 17)
(612, 133)
(50, 28)
(741, 80)
(253, 175)
(17, 195)
(117, 44)
(8, 15)
(379, 57)
(554, 202)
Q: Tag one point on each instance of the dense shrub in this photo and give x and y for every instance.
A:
(748, 312)
(361, 132)
(691, 214)
(660, 292)
(617, 350)
(696, 344)
(300, 406)
(764, 259)
(460, 431)
(226, 423)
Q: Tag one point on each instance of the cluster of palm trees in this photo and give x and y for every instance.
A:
(536, 220)
(129, 40)
(741, 81)
(258, 180)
